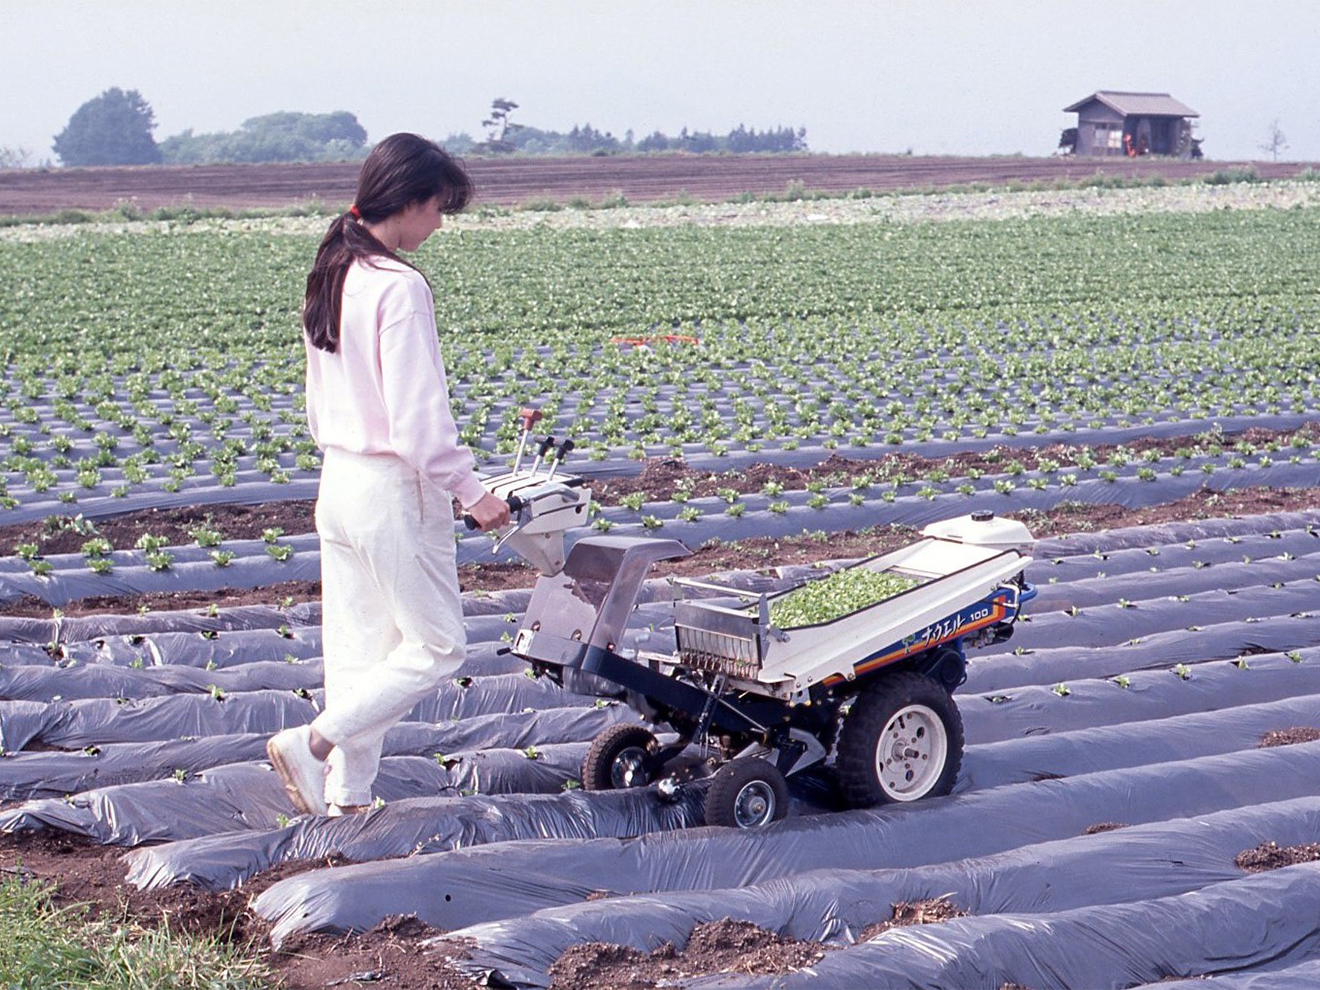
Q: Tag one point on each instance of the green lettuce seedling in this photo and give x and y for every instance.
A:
(842, 593)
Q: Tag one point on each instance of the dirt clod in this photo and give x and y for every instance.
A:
(1271, 856)
(83, 872)
(907, 913)
(1099, 827)
(1287, 737)
(724, 946)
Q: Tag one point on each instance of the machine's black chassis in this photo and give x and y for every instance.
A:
(700, 707)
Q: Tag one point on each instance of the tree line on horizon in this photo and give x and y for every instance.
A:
(115, 128)
(587, 140)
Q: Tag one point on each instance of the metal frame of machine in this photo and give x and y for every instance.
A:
(755, 703)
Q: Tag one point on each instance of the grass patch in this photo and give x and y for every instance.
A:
(183, 213)
(63, 947)
(1230, 176)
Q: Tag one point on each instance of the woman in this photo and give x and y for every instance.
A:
(378, 407)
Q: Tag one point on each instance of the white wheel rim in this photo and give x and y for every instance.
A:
(628, 768)
(754, 805)
(912, 752)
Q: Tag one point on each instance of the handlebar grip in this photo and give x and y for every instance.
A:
(514, 503)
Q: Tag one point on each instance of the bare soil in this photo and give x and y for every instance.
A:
(84, 873)
(512, 181)
(233, 522)
(724, 946)
(1270, 856)
(394, 954)
(1100, 827)
(751, 554)
(907, 913)
(1286, 737)
(659, 480)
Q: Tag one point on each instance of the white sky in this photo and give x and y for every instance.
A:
(935, 76)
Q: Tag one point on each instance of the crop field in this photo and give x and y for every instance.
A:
(782, 387)
(508, 181)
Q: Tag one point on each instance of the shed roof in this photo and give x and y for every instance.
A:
(1141, 104)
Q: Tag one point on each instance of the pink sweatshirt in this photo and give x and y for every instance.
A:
(384, 390)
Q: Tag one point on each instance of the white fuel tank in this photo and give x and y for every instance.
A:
(983, 529)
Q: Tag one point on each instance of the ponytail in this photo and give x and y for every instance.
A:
(345, 242)
(401, 170)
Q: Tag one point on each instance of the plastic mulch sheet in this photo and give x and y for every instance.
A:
(1107, 591)
(454, 889)
(249, 796)
(1148, 694)
(1115, 624)
(1131, 744)
(44, 683)
(1049, 564)
(1268, 918)
(1180, 531)
(55, 774)
(1140, 862)
(423, 825)
(95, 721)
(1296, 977)
(1162, 650)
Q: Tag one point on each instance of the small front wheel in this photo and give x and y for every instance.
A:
(617, 758)
(901, 741)
(746, 793)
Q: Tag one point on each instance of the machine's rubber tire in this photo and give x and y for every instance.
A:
(909, 724)
(613, 760)
(746, 793)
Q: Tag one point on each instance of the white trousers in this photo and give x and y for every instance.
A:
(392, 618)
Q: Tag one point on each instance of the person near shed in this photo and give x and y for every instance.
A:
(378, 407)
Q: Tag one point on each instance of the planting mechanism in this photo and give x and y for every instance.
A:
(752, 703)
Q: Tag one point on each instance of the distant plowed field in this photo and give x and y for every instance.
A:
(509, 181)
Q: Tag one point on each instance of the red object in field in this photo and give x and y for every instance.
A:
(667, 338)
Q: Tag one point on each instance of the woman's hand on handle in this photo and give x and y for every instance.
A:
(489, 512)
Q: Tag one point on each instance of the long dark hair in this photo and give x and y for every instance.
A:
(401, 170)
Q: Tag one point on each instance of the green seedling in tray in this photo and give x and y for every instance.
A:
(842, 593)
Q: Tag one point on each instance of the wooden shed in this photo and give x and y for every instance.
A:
(1116, 123)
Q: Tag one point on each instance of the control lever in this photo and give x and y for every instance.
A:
(547, 445)
(564, 448)
(529, 418)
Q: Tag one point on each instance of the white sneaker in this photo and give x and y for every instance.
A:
(303, 774)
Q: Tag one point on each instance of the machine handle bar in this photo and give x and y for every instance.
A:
(515, 505)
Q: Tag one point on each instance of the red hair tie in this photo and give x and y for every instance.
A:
(357, 214)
